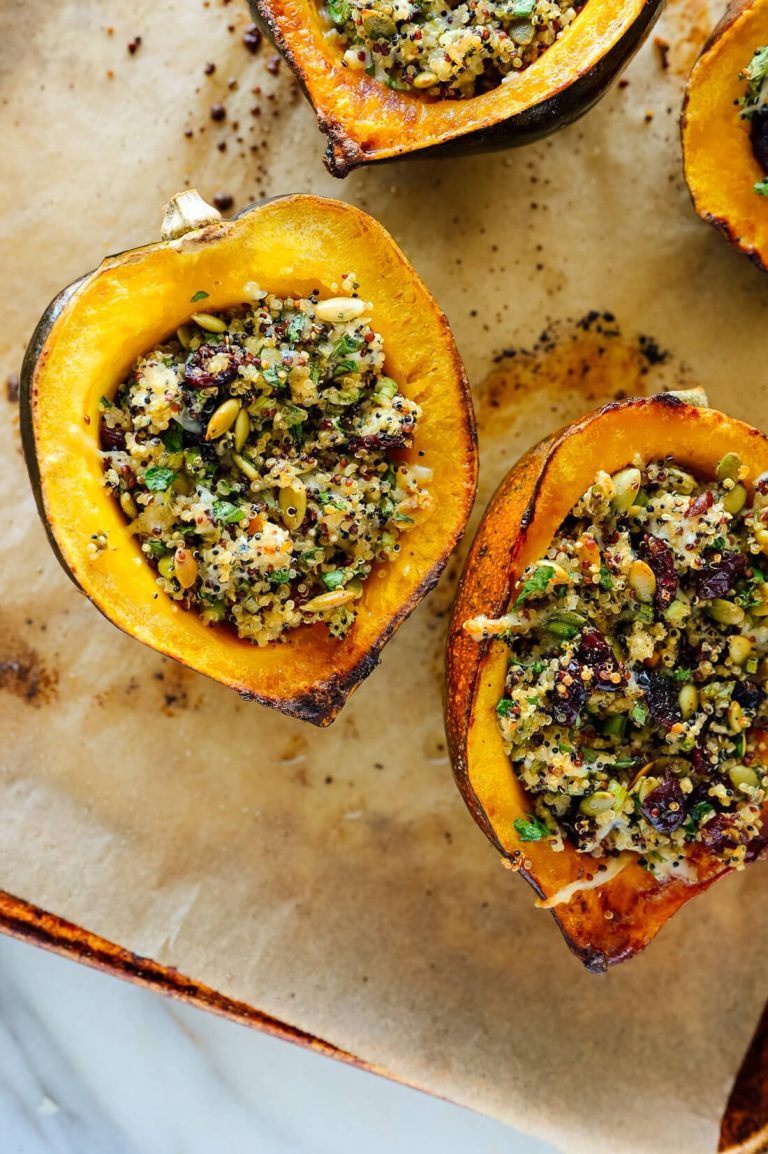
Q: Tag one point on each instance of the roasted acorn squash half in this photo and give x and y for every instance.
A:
(366, 121)
(610, 916)
(92, 333)
(720, 165)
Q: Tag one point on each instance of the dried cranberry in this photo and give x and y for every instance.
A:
(595, 652)
(664, 806)
(701, 763)
(718, 832)
(700, 504)
(758, 132)
(715, 578)
(112, 438)
(661, 696)
(196, 371)
(748, 694)
(377, 441)
(661, 560)
(569, 695)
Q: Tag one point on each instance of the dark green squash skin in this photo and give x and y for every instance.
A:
(321, 705)
(562, 108)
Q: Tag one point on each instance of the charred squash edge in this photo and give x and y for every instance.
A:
(320, 701)
(635, 903)
(569, 98)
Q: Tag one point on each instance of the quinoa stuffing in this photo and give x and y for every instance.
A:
(754, 108)
(445, 49)
(254, 455)
(635, 709)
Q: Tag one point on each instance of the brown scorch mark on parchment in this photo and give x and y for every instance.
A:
(23, 673)
(573, 366)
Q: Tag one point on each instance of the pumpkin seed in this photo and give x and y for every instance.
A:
(184, 336)
(327, 601)
(735, 499)
(677, 612)
(293, 504)
(424, 80)
(565, 625)
(688, 700)
(185, 568)
(209, 322)
(761, 608)
(597, 803)
(726, 612)
(128, 505)
(250, 471)
(671, 764)
(337, 310)
(626, 485)
(743, 775)
(165, 566)
(377, 25)
(242, 429)
(223, 418)
(642, 580)
(736, 719)
(739, 649)
(683, 482)
(728, 467)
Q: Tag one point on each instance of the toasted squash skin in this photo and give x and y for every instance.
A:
(366, 122)
(719, 163)
(617, 919)
(85, 344)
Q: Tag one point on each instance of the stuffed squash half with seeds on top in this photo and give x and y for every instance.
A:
(725, 129)
(388, 78)
(253, 445)
(607, 669)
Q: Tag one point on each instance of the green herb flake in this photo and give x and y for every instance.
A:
(761, 187)
(280, 577)
(158, 479)
(173, 438)
(505, 707)
(334, 579)
(606, 581)
(339, 11)
(537, 583)
(199, 296)
(696, 816)
(682, 675)
(228, 514)
(639, 714)
(530, 828)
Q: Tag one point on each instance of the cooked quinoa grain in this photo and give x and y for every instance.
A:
(255, 456)
(635, 710)
(445, 49)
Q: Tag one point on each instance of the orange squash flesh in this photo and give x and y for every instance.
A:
(366, 121)
(720, 166)
(617, 919)
(84, 348)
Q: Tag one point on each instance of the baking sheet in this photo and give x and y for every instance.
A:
(334, 879)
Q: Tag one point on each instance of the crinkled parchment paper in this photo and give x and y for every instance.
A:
(334, 879)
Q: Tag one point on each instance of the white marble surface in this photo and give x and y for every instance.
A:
(92, 1065)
